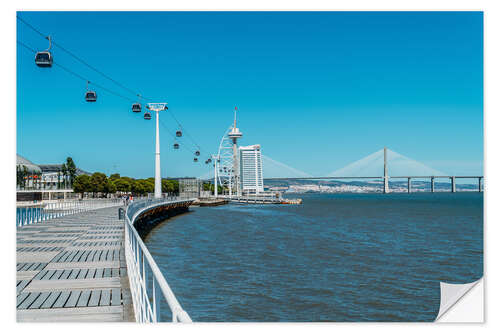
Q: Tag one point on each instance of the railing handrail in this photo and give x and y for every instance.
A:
(178, 313)
(41, 212)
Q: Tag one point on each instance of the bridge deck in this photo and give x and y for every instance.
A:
(73, 269)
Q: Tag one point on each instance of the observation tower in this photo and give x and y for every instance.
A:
(234, 135)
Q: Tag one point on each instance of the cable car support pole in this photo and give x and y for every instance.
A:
(157, 162)
(157, 107)
(215, 174)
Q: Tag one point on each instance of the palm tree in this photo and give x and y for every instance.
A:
(71, 168)
(64, 171)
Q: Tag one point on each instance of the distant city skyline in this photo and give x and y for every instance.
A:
(317, 90)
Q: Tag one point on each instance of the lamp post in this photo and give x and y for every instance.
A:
(157, 107)
(216, 160)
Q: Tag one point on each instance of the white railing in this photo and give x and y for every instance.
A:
(147, 283)
(41, 212)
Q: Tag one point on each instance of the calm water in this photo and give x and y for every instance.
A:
(337, 257)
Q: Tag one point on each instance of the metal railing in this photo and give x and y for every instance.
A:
(147, 283)
(41, 212)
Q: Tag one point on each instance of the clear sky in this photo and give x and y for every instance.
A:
(318, 90)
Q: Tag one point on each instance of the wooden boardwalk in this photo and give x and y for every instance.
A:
(73, 269)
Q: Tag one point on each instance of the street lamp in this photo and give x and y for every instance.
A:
(157, 107)
(216, 161)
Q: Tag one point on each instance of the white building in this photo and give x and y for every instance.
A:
(251, 169)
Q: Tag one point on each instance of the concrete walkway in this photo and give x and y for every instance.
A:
(73, 269)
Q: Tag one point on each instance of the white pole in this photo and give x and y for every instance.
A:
(230, 185)
(157, 163)
(215, 175)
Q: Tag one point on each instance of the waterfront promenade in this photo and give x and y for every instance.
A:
(73, 268)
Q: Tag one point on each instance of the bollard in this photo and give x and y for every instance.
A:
(121, 213)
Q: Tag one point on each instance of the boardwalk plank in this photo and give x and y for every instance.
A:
(48, 275)
(21, 297)
(99, 273)
(116, 296)
(73, 299)
(36, 304)
(50, 300)
(74, 273)
(21, 286)
(66, 274)
(28, 301)
(94, 297)
(57, 274)
(91, 273)
(84, 298)
(62, 299)
(91, 314)
(73, 284)
(82, 274)
(105, 298)
(40, 275)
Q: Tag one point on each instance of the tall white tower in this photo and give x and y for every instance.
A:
(157, 107)
(234, 135)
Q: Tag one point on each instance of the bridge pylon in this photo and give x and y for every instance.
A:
(386, 176)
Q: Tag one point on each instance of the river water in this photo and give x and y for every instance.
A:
(336, 257)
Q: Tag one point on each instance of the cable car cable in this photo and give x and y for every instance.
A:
(78, 75)
(78, 58)
(106, 76)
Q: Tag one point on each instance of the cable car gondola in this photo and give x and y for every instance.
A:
(90, 95)
(195, 159)
(209, 160)
(44, 58)
(197, 153)
(176, 146)
(147, 115)
(178, 134)
(136, 107)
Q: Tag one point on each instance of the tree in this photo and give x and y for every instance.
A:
(82, 184)
(114, 176)
(110, 186)
(25, 176)
(138, 187)
(64, 172)
(166, 186)
(98, 182)
(71, 169)
(59, 179)
(123, 185)
(170, 186)
(19, 176)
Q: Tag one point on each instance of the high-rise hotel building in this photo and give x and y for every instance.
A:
(251, 179)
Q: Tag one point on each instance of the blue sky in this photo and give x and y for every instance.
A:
(317, 90)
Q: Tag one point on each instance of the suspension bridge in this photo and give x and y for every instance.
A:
(383, 165)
